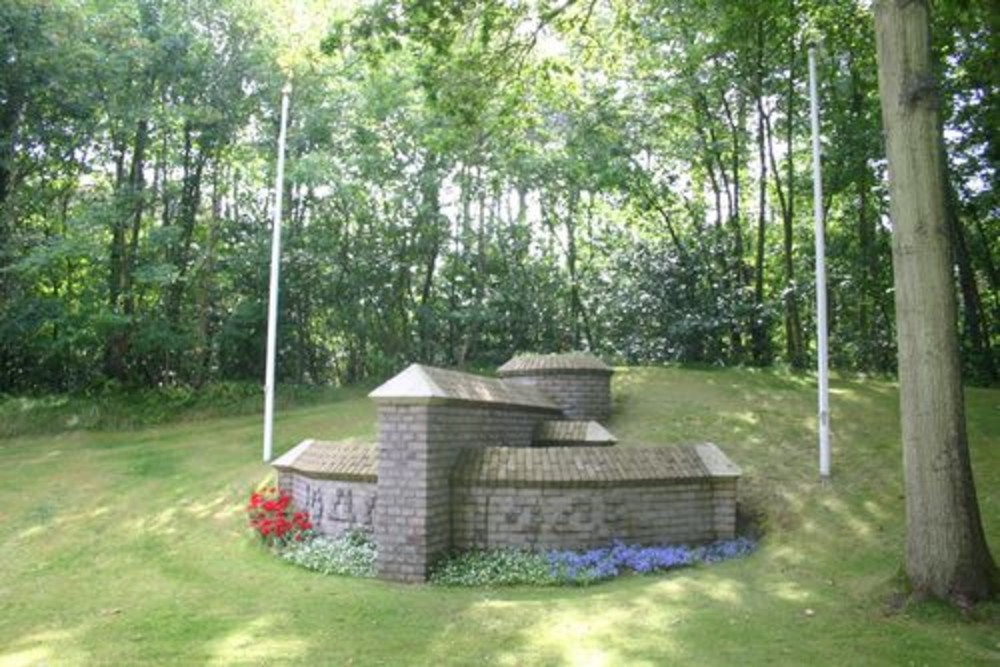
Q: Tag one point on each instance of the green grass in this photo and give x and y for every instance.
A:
(117, 408)
(129, 547)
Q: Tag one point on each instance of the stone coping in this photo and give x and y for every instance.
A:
(423, 385)
(544, 364)
(590, 467)
(347, 460)
(551, 433)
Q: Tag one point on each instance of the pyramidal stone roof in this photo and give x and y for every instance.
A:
(540, 364)
(348, 460)
(421, 384)
(561, 467)
(557, 432)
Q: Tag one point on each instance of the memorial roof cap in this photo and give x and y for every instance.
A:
(569, 467)
(572, 362)
(556, 432)
(347, 460)
(420, 384)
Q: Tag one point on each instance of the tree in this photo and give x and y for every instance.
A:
(466, 178)
(946, 551)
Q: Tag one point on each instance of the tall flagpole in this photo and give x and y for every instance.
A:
(272, 304)
(821, 326)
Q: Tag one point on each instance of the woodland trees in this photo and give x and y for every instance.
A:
(465, 180)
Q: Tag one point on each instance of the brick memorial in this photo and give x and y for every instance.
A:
(579, 383)
(463, 461)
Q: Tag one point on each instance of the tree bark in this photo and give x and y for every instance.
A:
(759, 326)
(432, 237)
(137, 184)
(946, 552)
(194, 166)
(741, 279)
(794, 348)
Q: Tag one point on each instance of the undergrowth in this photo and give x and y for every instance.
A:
(116, 408)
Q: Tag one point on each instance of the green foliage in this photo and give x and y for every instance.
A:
(352, 554)
(111, 407)
(464, 180)
(136, 542)
(500, 567)
(514, 567)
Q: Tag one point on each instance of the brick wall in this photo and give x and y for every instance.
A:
(582, 497)
(580, 394)
(539, 518)
(333, 505)
(417, 449)
(441, 487)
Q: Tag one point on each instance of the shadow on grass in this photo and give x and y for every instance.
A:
(106, 565)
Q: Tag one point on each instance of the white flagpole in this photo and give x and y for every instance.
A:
(821, 326)
(272, 304)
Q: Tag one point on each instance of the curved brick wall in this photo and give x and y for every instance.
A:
(334, 505)
(334, 481)
(502, 497)
(573, 498)
(582, 395)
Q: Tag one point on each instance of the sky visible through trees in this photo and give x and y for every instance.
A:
(465, 180)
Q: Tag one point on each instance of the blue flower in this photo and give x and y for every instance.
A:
(608, 562)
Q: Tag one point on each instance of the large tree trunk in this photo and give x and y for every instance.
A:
(946, 551)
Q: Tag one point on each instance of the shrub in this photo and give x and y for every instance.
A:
(353, 553)
(274, 520)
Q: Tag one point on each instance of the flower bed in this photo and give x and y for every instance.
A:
(273, 518)
(555, 568)
(275, 521)
(353, 554)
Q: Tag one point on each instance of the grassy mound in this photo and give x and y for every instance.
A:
(130, 547)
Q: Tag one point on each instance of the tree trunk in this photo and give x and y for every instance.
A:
(10, 119)
(128, 215)
(137, 183)
(976, 328)
(432, 237)
(946, 551)
(574, 295)
(759, 326)
(194, 165)
(794, 347)
(735, 128)
(973, 315)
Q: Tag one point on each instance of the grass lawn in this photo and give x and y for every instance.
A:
(129, 547)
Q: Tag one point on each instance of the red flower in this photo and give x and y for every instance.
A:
(272, 516)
